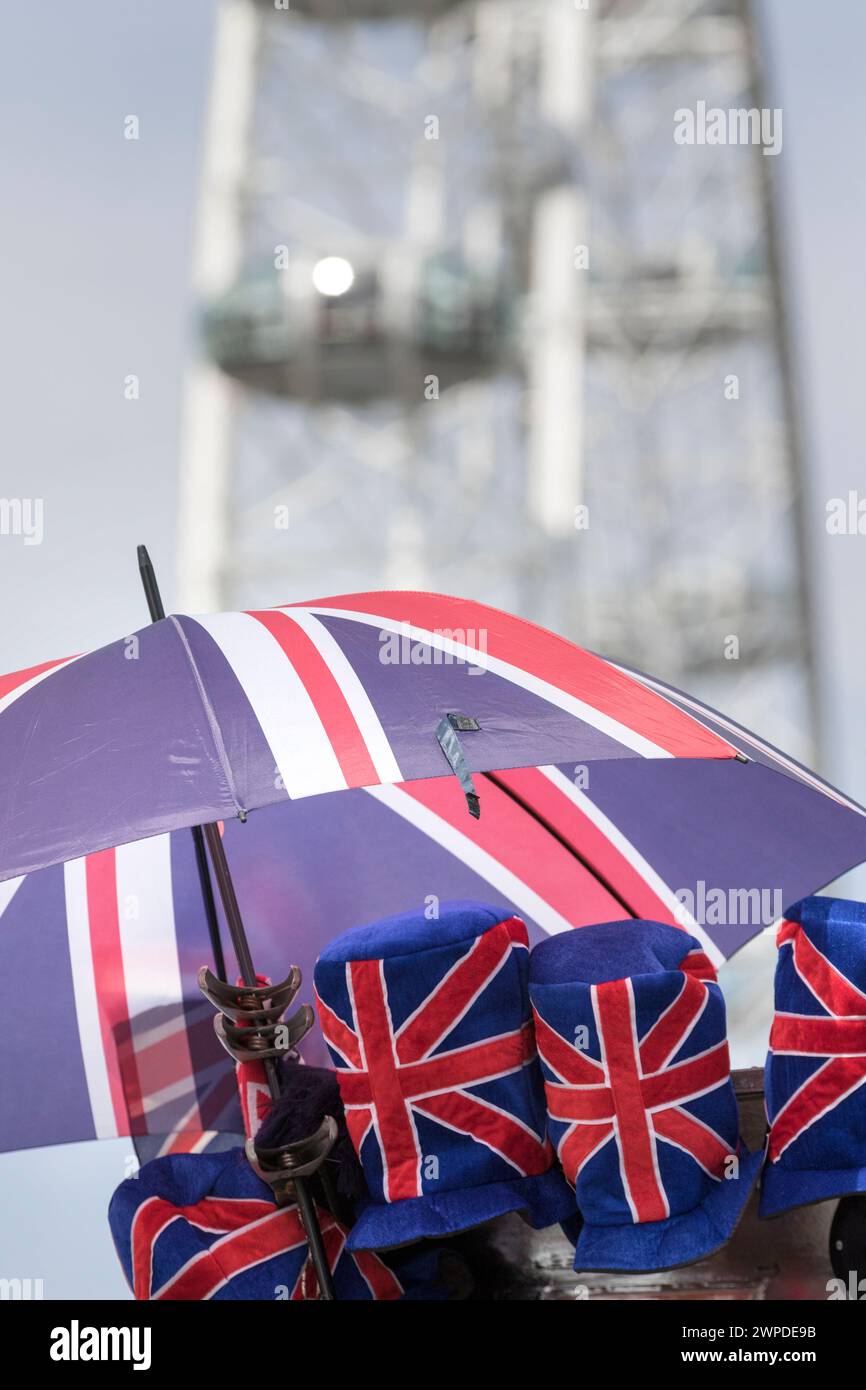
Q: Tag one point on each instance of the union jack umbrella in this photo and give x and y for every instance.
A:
(603, 794)
(630, 1028)
(816, 1069)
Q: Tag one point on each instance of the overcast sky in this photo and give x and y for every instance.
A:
(94, 273)
(94, 286)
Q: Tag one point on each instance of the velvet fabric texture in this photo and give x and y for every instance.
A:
(203, 1226)
(195, 1227)
(816, 1068)
(631, 1032)
(429, 1025)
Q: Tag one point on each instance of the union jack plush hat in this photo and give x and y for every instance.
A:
(430, 1028)
(816, 1067)
(204, 1226)
(630, 1026)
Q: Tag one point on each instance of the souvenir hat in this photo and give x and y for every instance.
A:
(429, 1025)
(815, 1078)
(631, 1032)
(195, 1227)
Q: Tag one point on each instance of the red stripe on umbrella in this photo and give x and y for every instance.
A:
(547, 657)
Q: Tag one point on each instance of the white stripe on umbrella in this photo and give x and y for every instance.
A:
(8, 888)
(612, 728)
(172, 1091)
(148, 939)
(202, 1142)
(524, 898)
(183, 1137)
(737, 735)
(12, 695)
(356, 697)
(152, 1036)
(303, 754)
(173, 1144)
(633, 856)
(87, 1000)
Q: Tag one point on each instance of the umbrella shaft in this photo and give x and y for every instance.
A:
(230, 904)
(157, 613)
(209, 904)
(306, 1206)
(314, 1240)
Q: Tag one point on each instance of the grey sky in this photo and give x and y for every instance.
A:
(94, 277)
(816, 75)
(94, 274)
(96, 240)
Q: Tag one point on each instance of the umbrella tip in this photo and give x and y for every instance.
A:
(143, 557)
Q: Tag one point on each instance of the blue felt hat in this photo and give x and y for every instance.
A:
(630, 1028)
(815, 1080)
(196, 1227)
(430, 1028)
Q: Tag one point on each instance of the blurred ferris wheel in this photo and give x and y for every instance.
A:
(474, 321)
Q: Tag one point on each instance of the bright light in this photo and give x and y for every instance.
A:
(333, 275)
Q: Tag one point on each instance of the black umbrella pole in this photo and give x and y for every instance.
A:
(234, 921)
(157, 612)
(241, 946)
(209, 904)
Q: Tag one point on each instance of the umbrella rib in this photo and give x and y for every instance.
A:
(558, 836)
(212, 720)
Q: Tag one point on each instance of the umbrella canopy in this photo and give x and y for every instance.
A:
(604, 794)
(194, 720)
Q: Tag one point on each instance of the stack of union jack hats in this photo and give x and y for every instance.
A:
(430, 1027)
(460, 1056)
